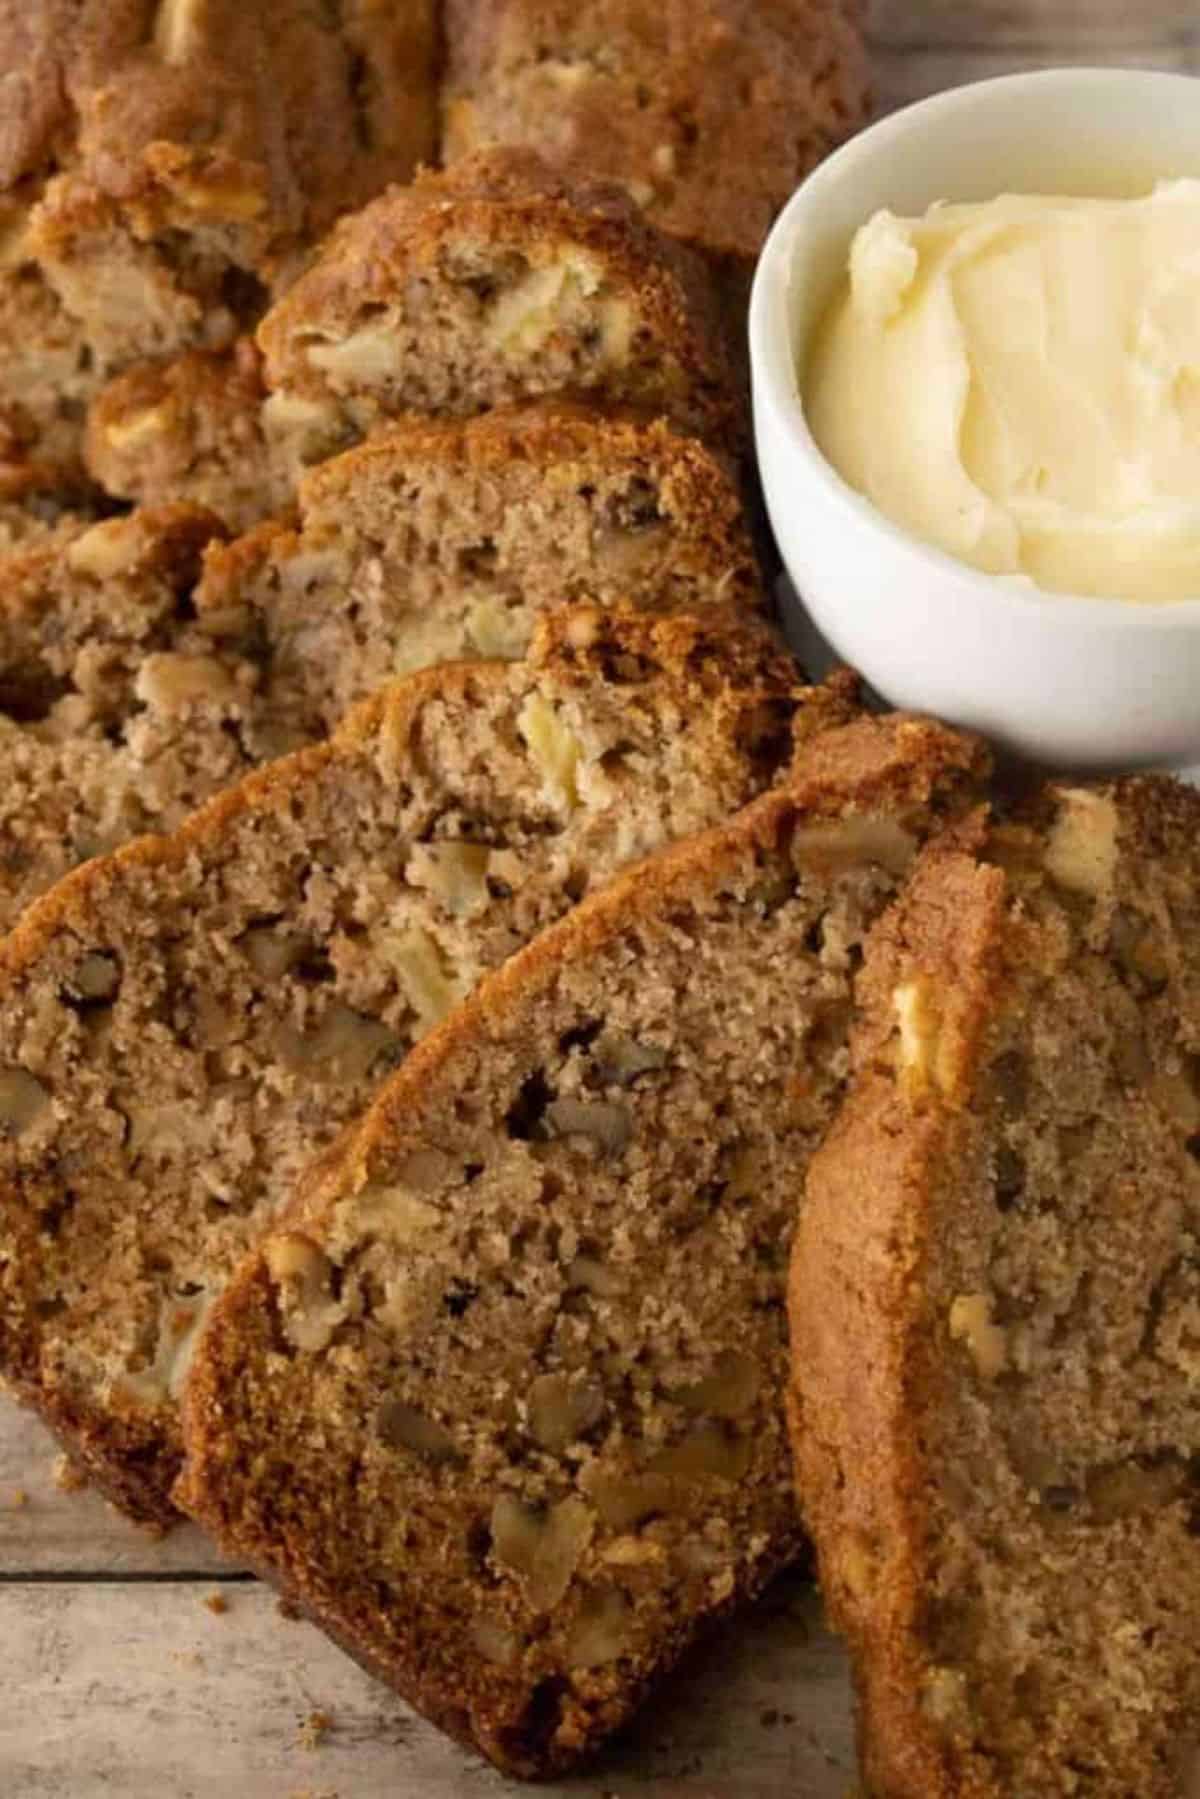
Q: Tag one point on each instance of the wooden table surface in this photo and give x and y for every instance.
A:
(120, 1678)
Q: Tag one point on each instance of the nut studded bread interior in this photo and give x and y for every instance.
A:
(440, 540)
(709, 112)
(995, 1306)
(165, 166)
(494, 282)
(107, 727)
(184, 1023)
(502, 1403)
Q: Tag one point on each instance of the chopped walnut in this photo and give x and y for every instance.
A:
(402, 1426)
(522, 319)
(542, 1547)
(431, 988)
(708, 1450)
(554, 747)
(167, 682)
(494, 1643)
(728, 1391)
(562, 1408)
(498, 631)
(455, 873)
(986, 1342)
(370, 357)
(108, 549)
(303, 1275)
(608, 1126)
(601, 1632)
(920, 1055)
(22, 1100)
(1081, 854)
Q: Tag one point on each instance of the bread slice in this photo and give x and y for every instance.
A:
(709, 113)
(184, 1022)
(445, 539)
(994, 1307)
(495, 282)
(189, 429)
(116, 714)
(501, 1403)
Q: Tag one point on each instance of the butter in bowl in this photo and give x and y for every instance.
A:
(975, 338)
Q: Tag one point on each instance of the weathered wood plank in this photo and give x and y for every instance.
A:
(1078, 28)
(140, 1690)
(901, 76)
(45, 1531)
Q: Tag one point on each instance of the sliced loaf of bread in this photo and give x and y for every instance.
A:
(500, 1404)
(995, 1309)
(183, 1023)
(495, 282)
(446, 539)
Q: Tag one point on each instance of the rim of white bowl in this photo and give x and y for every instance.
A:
(773, 362)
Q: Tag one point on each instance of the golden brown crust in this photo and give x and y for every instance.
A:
(708, 115)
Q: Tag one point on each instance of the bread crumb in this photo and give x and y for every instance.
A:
(314, 1729)
(287, 1610)
(67, 1475)
(217, 1604)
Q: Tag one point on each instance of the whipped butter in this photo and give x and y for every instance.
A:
(1018, 383)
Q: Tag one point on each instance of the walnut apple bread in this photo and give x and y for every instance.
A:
(500, 1403)
(167, 164)
(445, 539)
(995, 1308)
(494, 282)
(183, 1023)
(708, 112)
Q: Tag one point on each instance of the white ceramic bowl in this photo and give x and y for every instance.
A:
(1075, 682)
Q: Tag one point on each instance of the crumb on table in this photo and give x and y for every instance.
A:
(314, 1729)
(68, 1476)
(217, 1604)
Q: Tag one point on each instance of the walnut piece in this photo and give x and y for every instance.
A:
(271, 950)
(728, 1391)
(1081, 853)
(431, 988)
(498, 631)
(137, 429)
(302, 1273)
(710, 1450)
(402, 1426)
(166, 682)
(180, 1323)
(342, 1047)
(562, 1408)
(542, 1547)
(494, 1643)
(608, 1126)
(920, 1055)
(367, 358)
(986, 1342)
(22, 1100)
(455, 873)
(554, 748)
(600, 1634)
(96, 977)
(304, 431)
(108, 549)
(522, 319)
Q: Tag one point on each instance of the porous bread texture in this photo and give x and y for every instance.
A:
(189, 429)
(499, 1403)
(494, 282)
(167, 163)
(447, 539)
(995, 1313)
(116, 715)
(184, 1023)
(40, 500)
(708, 112)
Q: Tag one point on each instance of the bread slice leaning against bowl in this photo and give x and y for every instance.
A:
(995, 1308)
